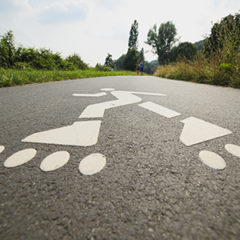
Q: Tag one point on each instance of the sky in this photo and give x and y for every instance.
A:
(94, 28)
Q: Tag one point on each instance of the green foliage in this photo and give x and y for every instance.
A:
(150, 67)
(141, 56)
(223, 77)
(224, 40)
(197, 71)
(102, 68)
(27, 58)
(154, 64)
(39, 59)
(76, 60)
(131, 60)
(119, 63)
(12, 77)
(162, 40)
(133, 38)
(26, 55)
(109, 61)
(132, 57)
(219, 61)
(185, 50)
(22, 65)
(7, 50)
(200, 44)
(203, 71)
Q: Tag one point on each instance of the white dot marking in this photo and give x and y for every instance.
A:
(54, 161)
(233, 149)
(212, 159)
(92, 164)
(20, 158)
(1, 148)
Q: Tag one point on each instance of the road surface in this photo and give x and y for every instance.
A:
(135, 161)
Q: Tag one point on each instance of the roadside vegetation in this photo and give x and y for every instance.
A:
(216, 62)
(19, 65)
(213, 60)
(129, 60)
(12, 77)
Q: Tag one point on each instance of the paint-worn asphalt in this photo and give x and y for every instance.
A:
(152, 187)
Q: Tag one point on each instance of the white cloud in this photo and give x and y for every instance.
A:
(95, 27)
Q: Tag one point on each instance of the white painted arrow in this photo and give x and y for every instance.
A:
(197, 131)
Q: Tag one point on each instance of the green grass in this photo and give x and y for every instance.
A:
(202, 71)
(13, 77)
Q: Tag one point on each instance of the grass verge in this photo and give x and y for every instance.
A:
(202, 71)
(13, 77)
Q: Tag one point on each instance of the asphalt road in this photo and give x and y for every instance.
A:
(152, 187)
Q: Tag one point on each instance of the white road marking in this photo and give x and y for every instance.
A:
(92, 164)
(212, 160)
(90, 95)
(149, 94)
(124, 98)
(107, 89)
(1, 148)
(85, 133)
(197, 131)
(78, 134)
(233, 149)
(20, 158)
(97, 110)
(54, 161)
(156, 108)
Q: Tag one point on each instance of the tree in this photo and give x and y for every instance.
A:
(131, 60)
(200, 44)
(109, 61)
(132, 57)
(7, 50)
(162, 40)
(132, 42)
(141, 56)
(39, 59)
(119, 63)
(185, 50)
(224, 40)
(77, 61)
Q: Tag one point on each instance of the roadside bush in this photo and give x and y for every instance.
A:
(236, 77)
(22, 65)
(223, 77)
(77, 62)
(197, 71)
(102, 68)
(41, 59)
(7, 50)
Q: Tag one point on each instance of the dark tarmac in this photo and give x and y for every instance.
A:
(152, 187)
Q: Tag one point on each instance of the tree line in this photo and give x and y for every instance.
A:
(215, 59)
(161, 40)
(218, 61)
(27, 58)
